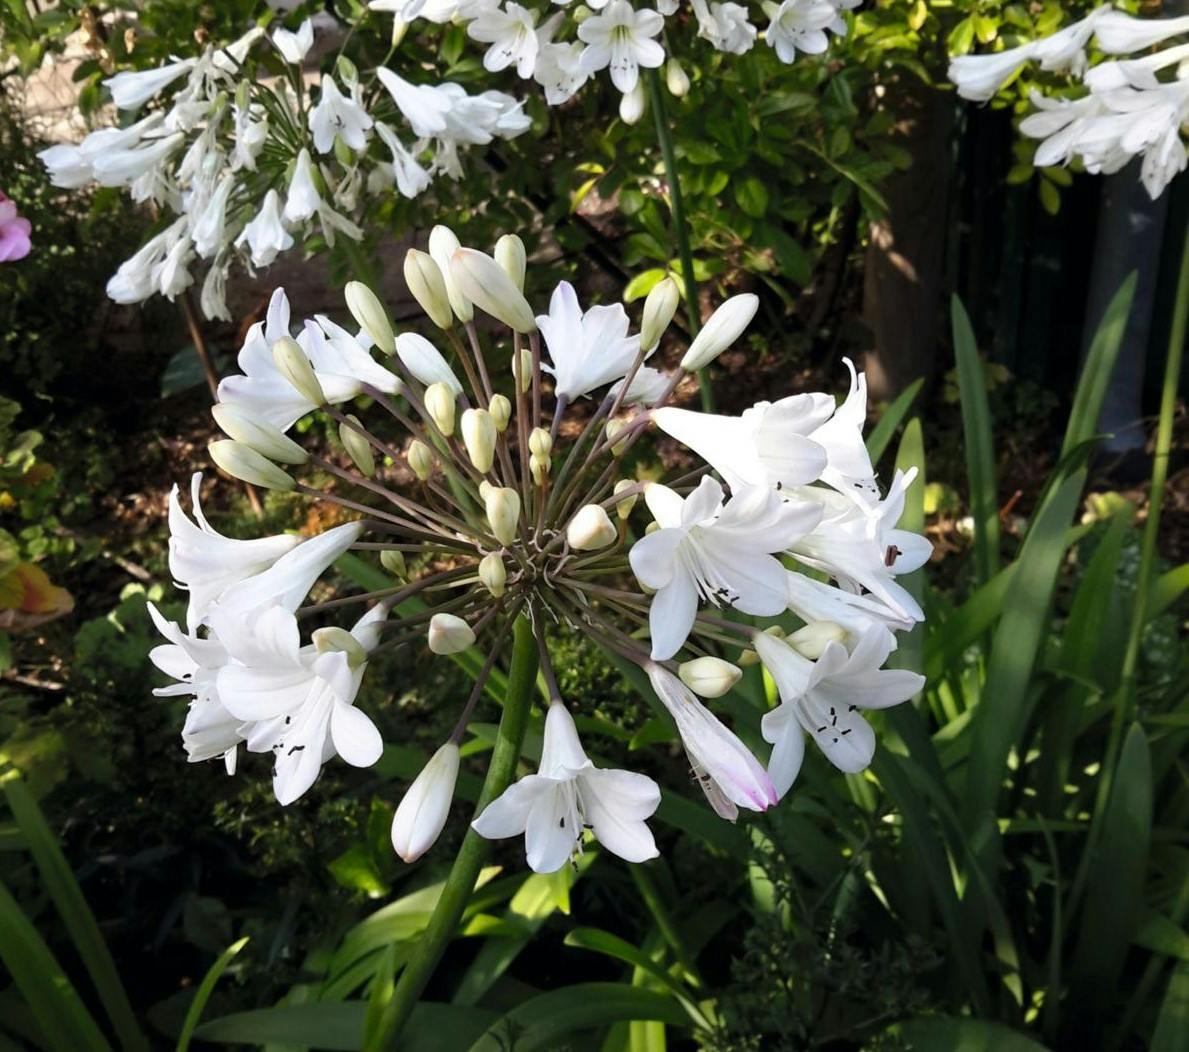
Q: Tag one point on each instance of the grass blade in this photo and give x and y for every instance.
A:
(204, 991)
(58, 880)
(65, 1023)
(880, 436)
(980, 453)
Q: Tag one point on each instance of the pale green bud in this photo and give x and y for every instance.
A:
(484, 489)
(652, 527)
(510, 254)
(295, 367)
(725, 326)
(747, 658)
(251, 430)
(370, 315)
(449, 634)
(624, 508)
(358, 448)
(492, 573)
(659, 307)
(428, 287)
(709, 677)
(439, 404)
(399, 28)
(540, 468)
(343, 153)
(486, 284)
(347, 71)
(613, 430)
(631, 104)
(590, 528)
(522, 369)
(394, 562)
(501, 412)
(812, 639)
(540, 442)
(442, 245)
(420, 458)
(478, 435)
(676, 80)
(503, 512)
(243, 94)
(331, 639)
(244, 463)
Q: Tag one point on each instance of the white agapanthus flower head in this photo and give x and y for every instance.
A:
(1132, 108)
(525, 519)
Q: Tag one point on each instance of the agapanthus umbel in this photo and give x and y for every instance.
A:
(522, 508)
(252, 159)
(1133, 107)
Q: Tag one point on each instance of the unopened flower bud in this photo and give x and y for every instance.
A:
(428, 287)
(493, 574)
(812, 639)
(502, 504)
(358, 448)
(449, 634)
(510, 254)
(333, 638)
(420, 458)
(539, 467)
(615, 429)
(709, 677)
(370, 315)
(676, 79)
(624, 508)
(631, 104)
(484, 489)
(343, 153)
(295, 367)
(442, 245)
(394, 562)
(478, 435)
(590, 528)
(244, 463)
(659, 307)
(652, 527)
(347, 70)
(540, 442)
(501, 412)
(439, 404)
(775, 631)
(422, 812)
(747, 658)
(724, 327)
(522, 369)
(486, 284)
(399, 28)
(251, 430)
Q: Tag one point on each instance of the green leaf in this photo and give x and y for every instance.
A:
(1161, 934)
(1173, 1022)
(1097, 369)
(1167, 589)
(890, 419)
(752, 196)
(947, 1034)
(999, 717)
(204, 991)
(65, 1023)
(643, 283)
(57, 879)
(339, 1027)
(980, 451)
(1110, 916)
(540, 1022)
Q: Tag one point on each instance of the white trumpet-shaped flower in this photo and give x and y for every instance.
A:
(295, 46)
(621, 38)
(588, 349)
(726, 771)
(568, 795)
(511, 31)
(718, 553)
(425, 361)
(336, 116)
(798, 25)
(132, 89)
(204, 561)
(266, 235)
(825, 699)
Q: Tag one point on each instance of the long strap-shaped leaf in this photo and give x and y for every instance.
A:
(204, 991)
(65, 1023)
(58, 879)
(980, 452)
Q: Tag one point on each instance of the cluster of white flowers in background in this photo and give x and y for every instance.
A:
(562, 50)
(1137, 107)
(521, 510)
(252, 165)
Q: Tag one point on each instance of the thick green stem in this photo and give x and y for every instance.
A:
(680, 227)
(461, 882)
